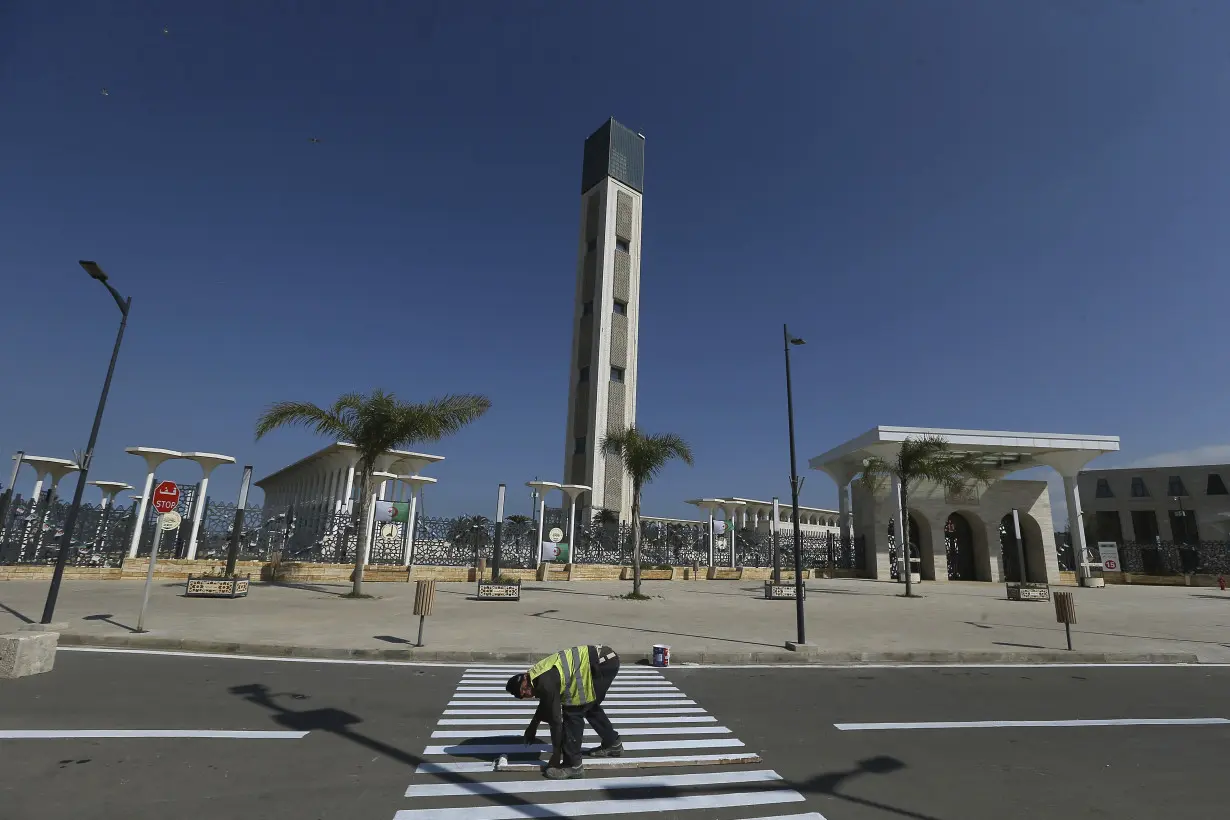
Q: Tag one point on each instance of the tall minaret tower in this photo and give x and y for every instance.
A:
(606, 312)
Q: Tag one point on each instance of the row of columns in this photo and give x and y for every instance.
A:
(155, 457)
(49, 470)
(573, 491)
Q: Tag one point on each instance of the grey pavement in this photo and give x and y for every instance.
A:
(364, 746)
(848, 620)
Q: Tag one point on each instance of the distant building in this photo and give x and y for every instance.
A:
(1184, 504)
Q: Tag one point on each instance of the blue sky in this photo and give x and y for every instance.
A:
(1002, 215)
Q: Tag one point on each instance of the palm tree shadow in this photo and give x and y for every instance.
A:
(342, 724)
(654, 631)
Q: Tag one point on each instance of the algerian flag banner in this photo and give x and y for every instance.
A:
(392, 511)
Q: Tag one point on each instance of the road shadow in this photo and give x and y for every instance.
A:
(393, 639)
(566, 591)
(342, 724)
(980, 626)
(1198, 595)
(307, 588)
(1021, 645)
(1164, 639)
(15, 613)
(645, 631)
(108, 618)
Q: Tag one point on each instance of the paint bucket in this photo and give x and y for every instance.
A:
(661, 655)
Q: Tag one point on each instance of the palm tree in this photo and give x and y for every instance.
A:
(375, 424)
(926, 458)
(643, 456)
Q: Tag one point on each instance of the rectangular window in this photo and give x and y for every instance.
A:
(620, 307)
(587, 309)
(617, 374)
(622, 245)
(584, 374)
(1215, 486)
(1103, 490)
(1174, 486)
(1139, 490)
(1106, 526)
(591, 246)
(1144, 526)
(1183, 527)
(579, 447)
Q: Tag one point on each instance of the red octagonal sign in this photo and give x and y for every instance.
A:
(166, 497)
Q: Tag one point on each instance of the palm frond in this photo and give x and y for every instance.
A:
(644, 456)
(302, 414)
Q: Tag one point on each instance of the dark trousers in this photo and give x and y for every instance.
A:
(575, 717)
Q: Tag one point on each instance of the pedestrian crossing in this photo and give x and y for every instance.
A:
(658, 723)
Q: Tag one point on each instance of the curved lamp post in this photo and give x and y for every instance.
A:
(573, 491)
(416, 484)
(542, 488)
(154, 457)
(110, 489)
(208, 463)
(795, 486)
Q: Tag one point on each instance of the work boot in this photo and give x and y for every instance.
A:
(565, 772)
(616, 749)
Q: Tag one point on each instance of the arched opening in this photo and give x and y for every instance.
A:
(894, 554)
(959, 546)
(921, 546)
(1031, 550)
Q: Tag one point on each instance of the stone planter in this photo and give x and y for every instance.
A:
(781, 592)
(1028, 591)
(649, 574)
(201, 586)
(725, 573)
(491, 591)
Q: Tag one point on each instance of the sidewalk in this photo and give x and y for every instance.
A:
(713, 622)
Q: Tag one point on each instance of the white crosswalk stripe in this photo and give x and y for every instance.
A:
(482, 722)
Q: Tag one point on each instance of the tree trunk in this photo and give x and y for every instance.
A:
(636, 539)
(365, 503)
(903, 540)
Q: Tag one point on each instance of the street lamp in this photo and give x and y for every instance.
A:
(787, 341)
(70, 522)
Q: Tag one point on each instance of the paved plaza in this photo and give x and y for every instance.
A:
(701, 621)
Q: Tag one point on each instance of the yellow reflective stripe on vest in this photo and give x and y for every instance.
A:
(575, 675)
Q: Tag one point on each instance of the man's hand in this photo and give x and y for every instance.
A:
(530, 736)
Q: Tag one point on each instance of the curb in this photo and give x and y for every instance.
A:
(768, 657)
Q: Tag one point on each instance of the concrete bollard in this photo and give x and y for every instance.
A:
(424, 600)
(27, 653)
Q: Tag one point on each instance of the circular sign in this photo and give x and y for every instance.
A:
(169, 521)
(1111, 564)
(166, 497)
(556, 535)
(388, 531)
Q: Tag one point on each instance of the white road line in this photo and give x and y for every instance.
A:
(485, 766)
(588, 808)
(619, 721)
(641, 782)
(624, 672)
(694, 667)
(1028, 724)
(630, 691)
(529, 710)
(472, 749)
(630, 731)
(52, 734)
(608, 702)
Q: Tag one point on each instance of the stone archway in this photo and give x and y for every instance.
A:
(1031, 548)
(959, 547)
(921, 546)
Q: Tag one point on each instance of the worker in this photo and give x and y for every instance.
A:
(570, 687)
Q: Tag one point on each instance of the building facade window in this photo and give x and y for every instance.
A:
(1103, 489)
(1144, 526)
(617, 374)
(1174, 486)
(591, 245)
(620, 308)
(583, 375)
(1215, 485)
(1183, 526)
(622, 245)
(578, 447)
(1139, 490)
(587, 309)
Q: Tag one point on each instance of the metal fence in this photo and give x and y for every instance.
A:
(33, 531)
(1171, 558)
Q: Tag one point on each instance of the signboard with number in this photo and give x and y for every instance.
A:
(1109, 551)
(166, 497)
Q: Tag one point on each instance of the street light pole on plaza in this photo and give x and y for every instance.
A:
(70, 522)
(787, 341)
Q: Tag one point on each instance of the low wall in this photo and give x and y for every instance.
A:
(180, 568)
(42, 572)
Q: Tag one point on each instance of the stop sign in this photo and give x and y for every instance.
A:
(166, 497)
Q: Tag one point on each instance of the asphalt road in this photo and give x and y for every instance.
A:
(356, 741)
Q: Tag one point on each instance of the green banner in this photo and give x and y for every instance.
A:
(392, 512)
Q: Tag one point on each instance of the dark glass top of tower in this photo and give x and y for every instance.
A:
(615, 151)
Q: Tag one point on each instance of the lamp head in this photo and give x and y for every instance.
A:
(795, 340)
(93, 270)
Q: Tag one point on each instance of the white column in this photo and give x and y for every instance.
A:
(843, 506)
(711, 536)
(414, 504)
(349, 487)
(1076, 524)
(136, 529)
(197, 513)
(371, 527)
(572, 526)
(542, 511)
(901, 534)
(384, 490)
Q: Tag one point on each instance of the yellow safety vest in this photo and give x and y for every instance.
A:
(575, 675)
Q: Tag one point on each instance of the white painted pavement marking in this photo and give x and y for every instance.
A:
(619, 721)
(485, 765)
(588, 808)
(624, 674)
(51, 734)
(1026, 724)
(605, 703)
(472, 749)
(630, 731)
(617, 687)
(488, 693)
(604, 783)
(529, 710)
